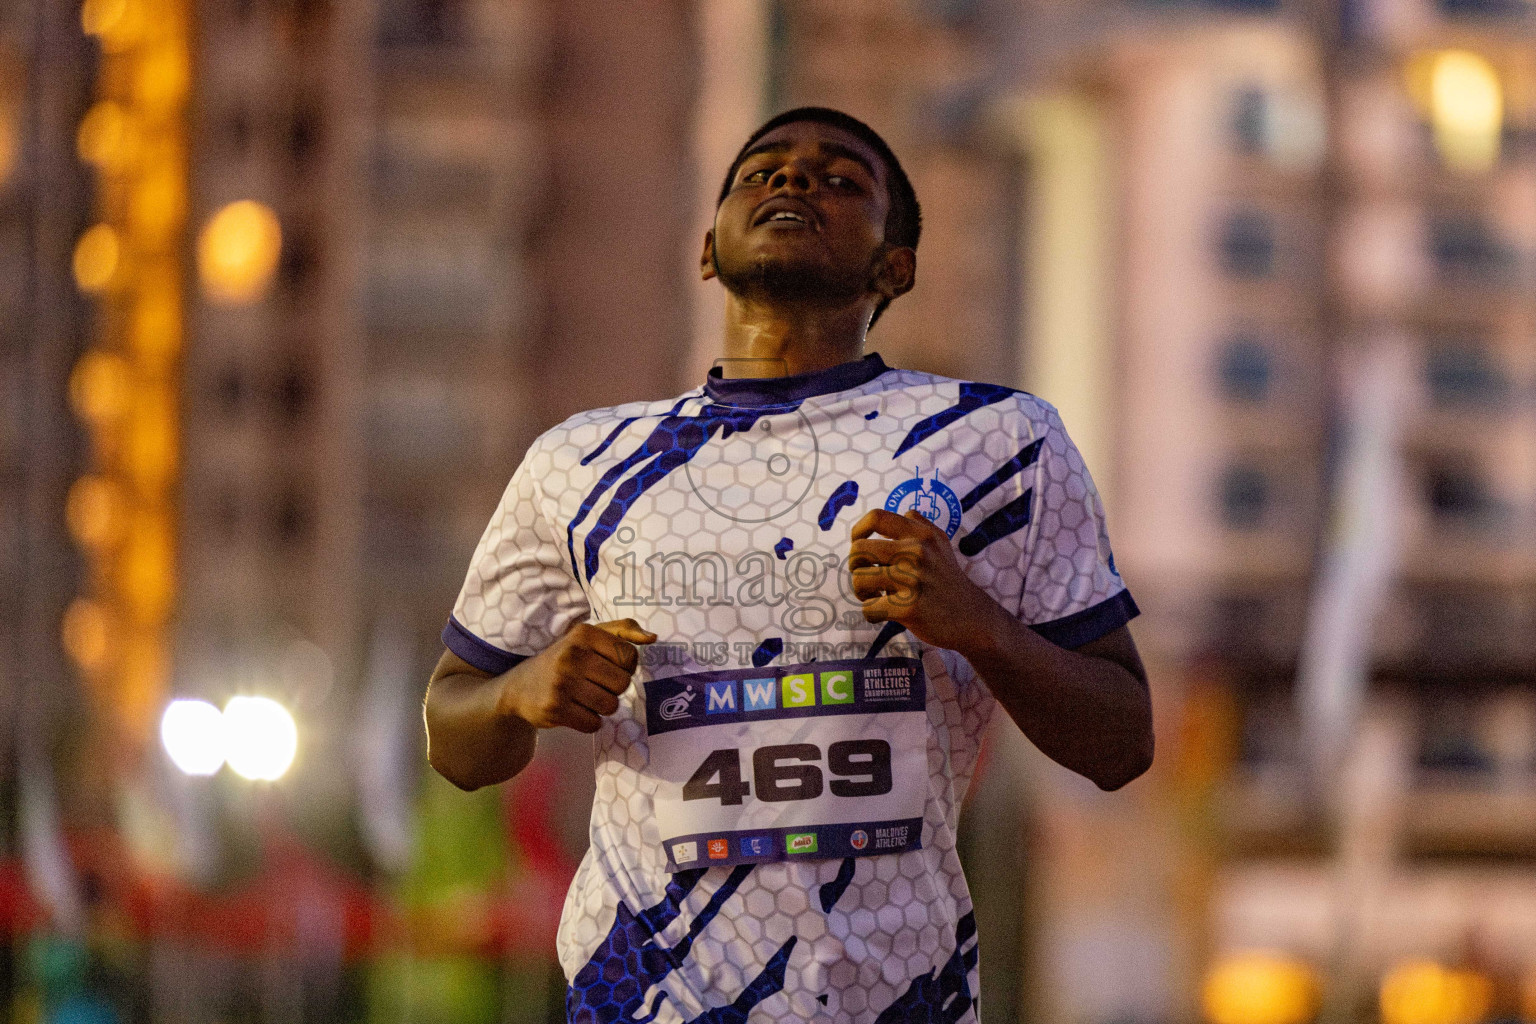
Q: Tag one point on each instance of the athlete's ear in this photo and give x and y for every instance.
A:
(707, 258)
(896, 272)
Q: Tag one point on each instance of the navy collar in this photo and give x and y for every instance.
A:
(759, 391)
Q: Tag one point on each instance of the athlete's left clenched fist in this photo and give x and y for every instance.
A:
(913, 577)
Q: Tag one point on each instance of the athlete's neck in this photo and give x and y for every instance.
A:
(785, 340)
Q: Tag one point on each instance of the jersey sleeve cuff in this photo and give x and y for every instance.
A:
(1086, 626)
(486, 657)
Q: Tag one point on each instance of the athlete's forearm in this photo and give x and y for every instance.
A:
(1088, 710)
(472, 740)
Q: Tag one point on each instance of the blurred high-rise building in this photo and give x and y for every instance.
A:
(1271, 260)
(1285, 249)
(450, 282)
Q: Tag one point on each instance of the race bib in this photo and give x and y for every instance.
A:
(822, 760)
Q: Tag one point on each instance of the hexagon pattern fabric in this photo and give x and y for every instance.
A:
(676, 514)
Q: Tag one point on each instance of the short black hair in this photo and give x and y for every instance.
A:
(904, 218)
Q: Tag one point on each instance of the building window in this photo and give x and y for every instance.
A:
(230, 391)
(292, 516)
(1465, 248)
(1248, 244)
(422, 22)
(1244, 493)
(293, 392)
(1459, 498)
(1250, 120)
(1448, 738)
(1246, 370)
(304, 130)
(299, 260)
(1465, 376)
(1484, 8)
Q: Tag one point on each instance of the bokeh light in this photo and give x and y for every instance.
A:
(117, 24)
(1424, 992)
(105, 136)
(237, 252)
(150, 453)
(261, 738)
(158, 204)
(99, 387)
(86, 633)
(1466, 110)
(8, 140)
(97, 255)
(164, 77)
(192, 732)
(147, 569)
(1259, 988)
(94, 511)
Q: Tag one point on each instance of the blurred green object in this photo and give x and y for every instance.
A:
(57, 964)
(439, 990)
(459, 863)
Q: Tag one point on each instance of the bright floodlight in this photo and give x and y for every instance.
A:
(260, 737)
(193, 734)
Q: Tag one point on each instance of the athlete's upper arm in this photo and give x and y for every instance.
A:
(451, 664)
(1119, 647)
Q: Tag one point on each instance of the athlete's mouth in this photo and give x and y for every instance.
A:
(784, 210)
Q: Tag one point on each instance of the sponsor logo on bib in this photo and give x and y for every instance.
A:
(676, 706)
(720, 697)
(719, 849)
(837, 687)
(685, 853)
(799, 690)
(756, 846)
(760, 694)
(800, 842)
(859, 839)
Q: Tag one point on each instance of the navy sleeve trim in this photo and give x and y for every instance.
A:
(484, 656)
(1084, 627)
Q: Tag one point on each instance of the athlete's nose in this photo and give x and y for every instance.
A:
(791, 175)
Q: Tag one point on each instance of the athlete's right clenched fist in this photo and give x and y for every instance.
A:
(576, 680)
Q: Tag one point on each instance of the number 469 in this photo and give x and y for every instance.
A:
(788, 772)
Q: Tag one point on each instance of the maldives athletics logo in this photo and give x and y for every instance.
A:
(859, 839)
(933, 500)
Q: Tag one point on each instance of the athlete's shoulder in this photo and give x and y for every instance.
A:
(574, 438)
(1030, 414)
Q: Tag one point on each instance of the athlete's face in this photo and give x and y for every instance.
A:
(805, 220)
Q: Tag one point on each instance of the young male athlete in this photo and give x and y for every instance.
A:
(786, 604)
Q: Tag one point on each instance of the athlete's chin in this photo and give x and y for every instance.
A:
(787, 278)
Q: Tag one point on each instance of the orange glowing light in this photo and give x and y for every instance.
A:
(86, 633)
(97, 255)
(99, 386)
(140, 687)
(117, 24)
(1259, 988)
(94, 511)
(151, 448)
(147, 569)
(158, 205)
(155, 332)
(105, 138)
(8, 140)
(164, 77)
(1424, 992)
(237, 252)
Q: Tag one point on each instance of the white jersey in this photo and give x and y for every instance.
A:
(773, 835)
